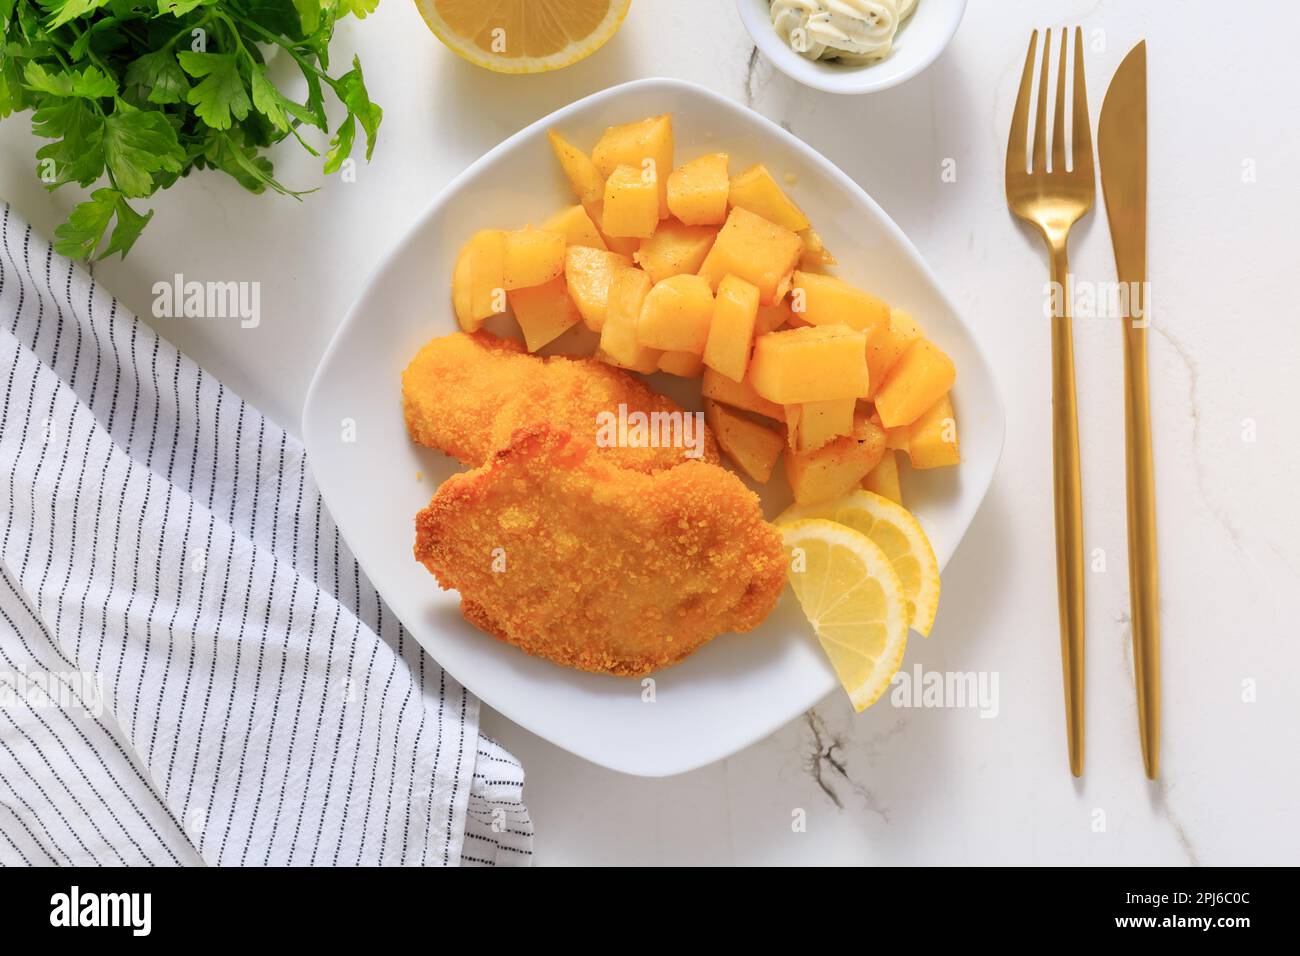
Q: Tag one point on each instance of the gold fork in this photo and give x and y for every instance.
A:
(1053, 200)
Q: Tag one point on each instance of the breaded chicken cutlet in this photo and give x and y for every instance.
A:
(466, 394)
(556, 549)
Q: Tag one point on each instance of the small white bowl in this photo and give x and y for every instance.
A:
(920, 40)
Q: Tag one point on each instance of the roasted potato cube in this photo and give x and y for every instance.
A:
(628, 289)
(886, 344)
(731, 333)
(685, 364)
(587, 181)
(587, 272)
(895, 438)
(814, 424)
(462, 294)
(756, 190)
(920, 378)
(792, 413)
(576, 227)
(631, 204)
(697, 191)
(676, 315)
(646, 145)
(932, 438)
(772, 317)
(543, 312)
(753, 447)
(675, 248)
(758, 251)
(826, 300)
(480, 275)
(718, 387)
(813, 364)
(623, 245)
(883, 479)
(532, 257)
(836, 468)
(815, 254)
(904, 325)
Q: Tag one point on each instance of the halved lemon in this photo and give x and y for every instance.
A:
(852, 596)
(896, 531)
(524, 36)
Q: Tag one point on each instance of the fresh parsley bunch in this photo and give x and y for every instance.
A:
(139, 92)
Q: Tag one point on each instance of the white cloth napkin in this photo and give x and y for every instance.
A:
(193, 668)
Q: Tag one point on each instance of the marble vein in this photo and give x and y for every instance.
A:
(827, 763)
(1160, 785)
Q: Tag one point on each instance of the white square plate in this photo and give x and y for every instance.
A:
(738, 688)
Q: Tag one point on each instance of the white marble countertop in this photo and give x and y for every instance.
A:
(911, 786)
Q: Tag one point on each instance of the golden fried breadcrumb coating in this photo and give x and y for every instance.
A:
(466, 395)
(557, 550)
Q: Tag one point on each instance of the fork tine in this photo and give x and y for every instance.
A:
(1039, 161)
(1058, 121)
(1019, 137)
(1081, 161)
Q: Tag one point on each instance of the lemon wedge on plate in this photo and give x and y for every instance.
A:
(852, 596)
(524, 36)
(896, 531)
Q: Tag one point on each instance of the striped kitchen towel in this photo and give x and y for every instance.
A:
(193, 668)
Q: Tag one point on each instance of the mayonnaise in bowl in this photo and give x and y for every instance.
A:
(852, 32)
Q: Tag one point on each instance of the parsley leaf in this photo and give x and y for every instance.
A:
(221, 93)
(341, 144)
(161, 75)
(129, 226)
(69, 10)
(80, 236)
(360, 8)
(316, 100)
(267, 99)
(12, 95)
(309, 13)
(138, 143)
(178, 8)
(91, 83)
(78, 150)
(351, 89)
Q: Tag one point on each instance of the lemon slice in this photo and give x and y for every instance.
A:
(523, 36)
(852, 597)
(896, 531)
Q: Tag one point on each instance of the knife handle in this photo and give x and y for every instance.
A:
(1143, 577)
(1068, 499)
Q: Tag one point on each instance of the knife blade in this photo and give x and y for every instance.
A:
(1122, 150)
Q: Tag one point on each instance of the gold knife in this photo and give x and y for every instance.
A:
(1122, 149)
